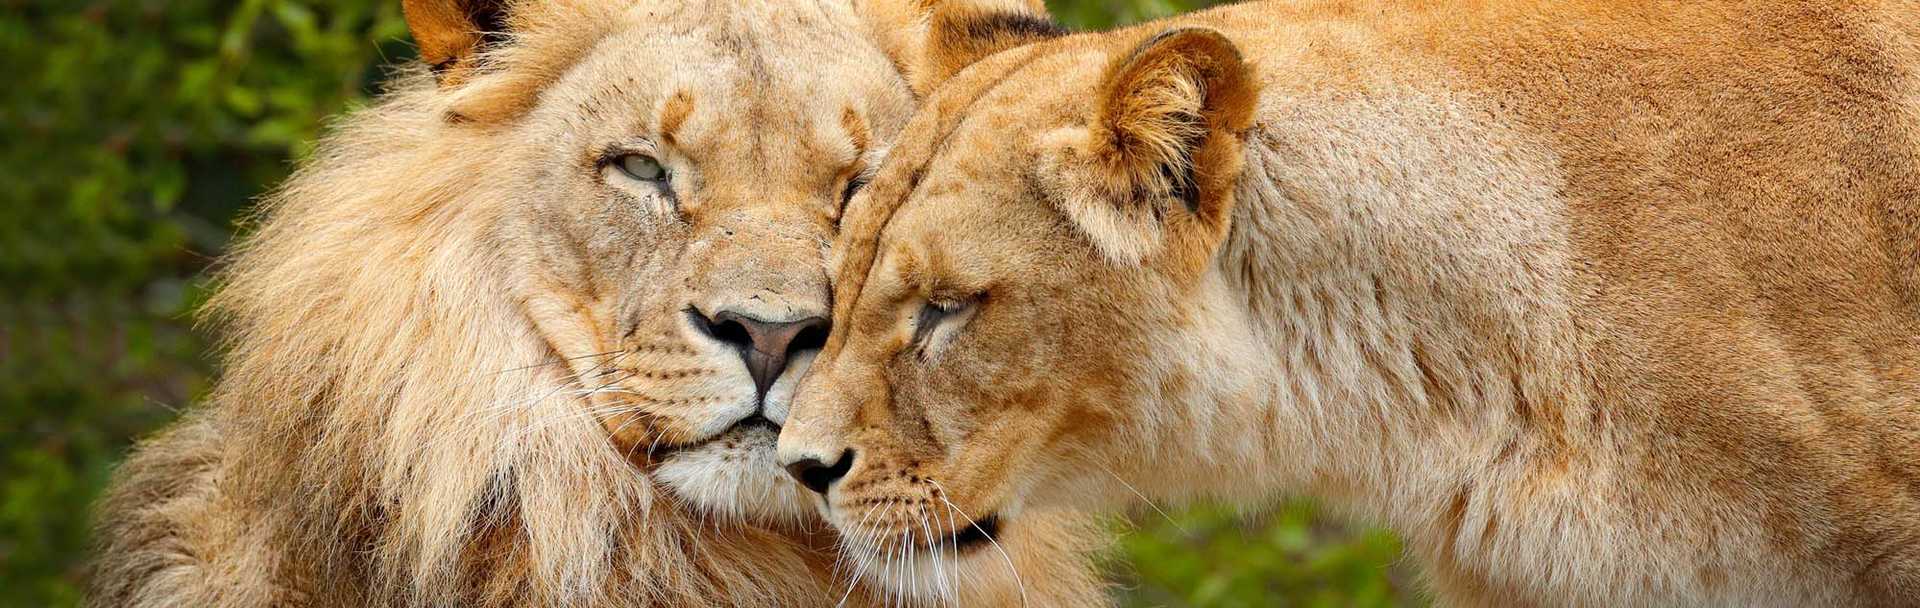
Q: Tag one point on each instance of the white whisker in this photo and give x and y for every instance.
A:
(557, 361)
(861, 554)
(1021, 585)
(572, 381)
(1143, 497)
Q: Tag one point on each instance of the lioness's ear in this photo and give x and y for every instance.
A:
(451, 33)
(1162, 146)
(931, 40)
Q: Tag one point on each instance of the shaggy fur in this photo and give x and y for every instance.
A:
(1597, 303)
(460, 369)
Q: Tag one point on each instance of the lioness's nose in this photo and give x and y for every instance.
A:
(766, 346)
(817, 475)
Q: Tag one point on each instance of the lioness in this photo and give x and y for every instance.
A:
(522, 334)
(1607, 304)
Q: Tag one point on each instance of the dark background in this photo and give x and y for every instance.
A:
(133, 135)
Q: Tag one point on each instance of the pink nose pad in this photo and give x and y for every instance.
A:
(765, 346)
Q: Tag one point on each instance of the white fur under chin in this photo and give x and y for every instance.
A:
(920, 578)
(735, 476)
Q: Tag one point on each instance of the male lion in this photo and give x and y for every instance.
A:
(523, 332)
(1605, 304)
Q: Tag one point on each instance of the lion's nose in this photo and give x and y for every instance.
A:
(766, 346)
(817, 475)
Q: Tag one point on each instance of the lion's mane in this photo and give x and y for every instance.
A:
(389, 429)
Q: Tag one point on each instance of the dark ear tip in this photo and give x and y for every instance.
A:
(1189, 30)
(449, 33)
(1194, 38)
(1220, 58)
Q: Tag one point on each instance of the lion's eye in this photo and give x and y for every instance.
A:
(641, 167)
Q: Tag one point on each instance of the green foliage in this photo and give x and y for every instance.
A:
(136, 130)
(137, 133)
(1094, 15)
(1291, 556)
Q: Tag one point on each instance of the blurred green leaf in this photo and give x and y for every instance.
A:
(131, 146)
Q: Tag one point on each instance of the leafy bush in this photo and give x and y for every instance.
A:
(137, 130)
(1290, 556)
(137, 133)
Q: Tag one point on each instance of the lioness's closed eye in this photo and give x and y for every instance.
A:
(1598, 304)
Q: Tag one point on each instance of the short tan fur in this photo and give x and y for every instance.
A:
(1597, 303)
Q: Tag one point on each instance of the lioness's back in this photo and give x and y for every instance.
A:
(1743, 203)
(1738, 189)
(1739, 181)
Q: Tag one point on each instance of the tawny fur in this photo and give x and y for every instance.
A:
(455, 343)
(1597, 303)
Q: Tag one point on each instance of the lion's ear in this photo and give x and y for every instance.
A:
(1163, 144)
(931, 40)
(451, 33)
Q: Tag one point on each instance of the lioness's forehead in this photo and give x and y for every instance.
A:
(983, 119)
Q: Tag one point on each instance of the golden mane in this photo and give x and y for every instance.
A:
(406, 432)
(430, 447)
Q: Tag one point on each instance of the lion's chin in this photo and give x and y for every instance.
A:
(734, 476)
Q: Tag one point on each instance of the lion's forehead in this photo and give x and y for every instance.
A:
(760, 74)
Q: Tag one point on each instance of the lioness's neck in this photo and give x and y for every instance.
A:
(1571, 360)
(1396, 337)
